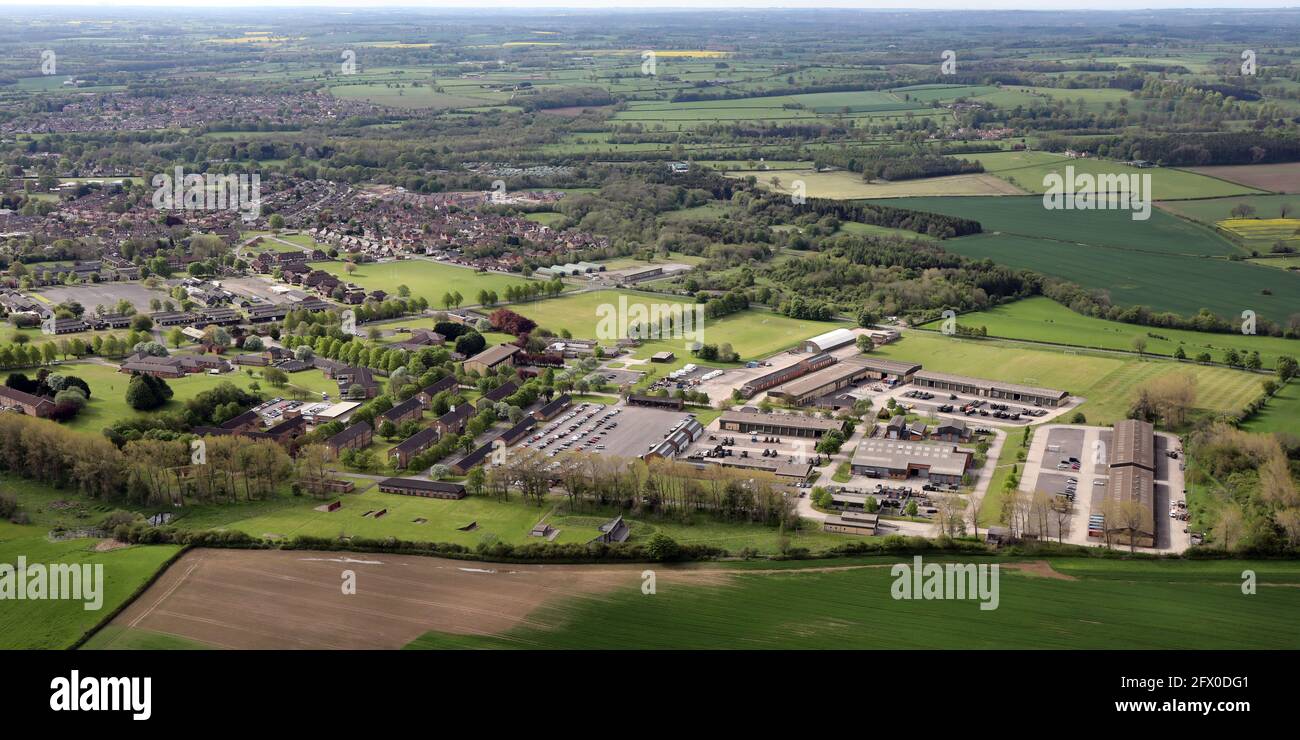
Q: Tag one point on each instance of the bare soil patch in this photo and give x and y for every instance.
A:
(1280, 178)
(294, 599)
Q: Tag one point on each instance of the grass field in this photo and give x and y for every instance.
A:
(1027, 169)
(1085, 604)
(1044, 320)
(57, 624)
(1282, 414)
(108, 391)
(1106, 381)
(752, 333)
(425, 278)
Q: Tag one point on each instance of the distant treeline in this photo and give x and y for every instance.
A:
(1181, 150)
(896, 164)
(922, 222)
(564, 97)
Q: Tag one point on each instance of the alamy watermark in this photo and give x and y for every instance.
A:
(948, 65)
(53, 582)
(1248, 66)
(648, 66)
(49, 62)
(1084, 191)
(208, 192)
(650, 321)
(949, 581)
(76, 693)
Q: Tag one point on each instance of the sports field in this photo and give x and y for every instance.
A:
(1043, 320)
(425, 278)
(1106, 381)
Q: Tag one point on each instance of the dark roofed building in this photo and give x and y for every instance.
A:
(356, 437)
(500, 393)
(25, 402)
(410, 409)
(422, 487)
(552, 409)
(408, 448)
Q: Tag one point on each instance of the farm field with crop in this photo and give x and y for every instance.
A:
(1161, 282)
(1028, 168)
(1043, 320)
(1026, 216)
(1057, 604)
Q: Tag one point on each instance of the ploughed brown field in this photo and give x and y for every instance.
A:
(273, 599)
(1280, 178)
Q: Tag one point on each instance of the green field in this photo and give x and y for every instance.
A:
(1282, 414)
(808, 606)
(425, 278)
(753, 333)
(1028, 168)
(845, 185)
(57, 624)
(1026, 216)
(108, 390)
(1106, 381)
(1183, 285)
(1043, 320)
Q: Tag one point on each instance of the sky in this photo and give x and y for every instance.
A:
(1074, 5)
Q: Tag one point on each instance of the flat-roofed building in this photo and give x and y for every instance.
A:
(784, 425)
(887, 458)
(1049, 397)
(674, 403)
(852, 522)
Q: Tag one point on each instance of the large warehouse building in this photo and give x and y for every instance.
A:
(784, 425)
(888, 458)
(1129, 506)
(843, 375)
(786, 374)
(833, 339)
(1049, 397)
